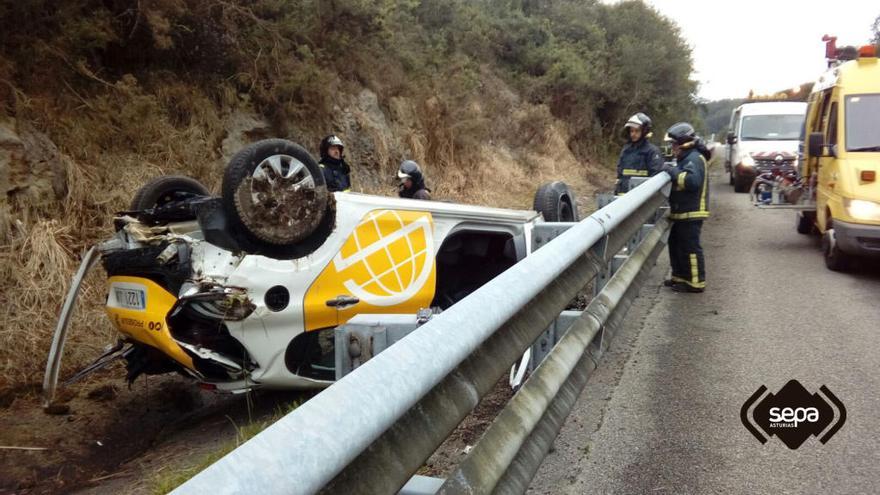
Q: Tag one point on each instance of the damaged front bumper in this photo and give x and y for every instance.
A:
(168, 306)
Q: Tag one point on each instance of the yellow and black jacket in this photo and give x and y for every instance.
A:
(689, 199)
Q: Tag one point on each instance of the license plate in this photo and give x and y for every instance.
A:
(131, 298)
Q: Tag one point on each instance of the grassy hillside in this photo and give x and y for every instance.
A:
(492, 96)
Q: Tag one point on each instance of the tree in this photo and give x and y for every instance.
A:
(875, 28)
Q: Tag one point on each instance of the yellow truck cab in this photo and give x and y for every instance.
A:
(842, 158)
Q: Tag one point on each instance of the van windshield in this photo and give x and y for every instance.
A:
(771, 127)
(862, 131)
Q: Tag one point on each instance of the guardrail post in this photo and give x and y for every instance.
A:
(549, 338)
(545, 232)
(366, 335)
(604, 199)
(601, 279)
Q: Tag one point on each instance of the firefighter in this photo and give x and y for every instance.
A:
(412, 181)
(689, 206)
(639, 158)
(337, 173)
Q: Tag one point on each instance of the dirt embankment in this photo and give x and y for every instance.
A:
(114, 439)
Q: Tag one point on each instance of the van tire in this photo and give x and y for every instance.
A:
(741, 184)
(277, 216)
(555, 201)
(805, 223)
(166, 189)
(835, 259)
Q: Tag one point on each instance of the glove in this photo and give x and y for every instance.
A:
(670, 169)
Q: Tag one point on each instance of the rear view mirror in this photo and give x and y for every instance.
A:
(816, 143)
(731, 138)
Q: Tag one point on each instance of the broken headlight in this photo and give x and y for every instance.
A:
(216, 302)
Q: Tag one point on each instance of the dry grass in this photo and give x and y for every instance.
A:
(169, 476)
(35, 272)
(114, 141)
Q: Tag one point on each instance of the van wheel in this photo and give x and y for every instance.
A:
(741, 184)
(805, 224)
(275, 195)
(555, 201)
(835, 259)
(167, 189)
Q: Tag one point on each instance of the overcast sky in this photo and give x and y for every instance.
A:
(766, 45)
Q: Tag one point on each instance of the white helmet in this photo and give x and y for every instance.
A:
(640, 120)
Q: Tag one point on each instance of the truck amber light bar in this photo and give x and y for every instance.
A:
(868, 176)
(867, 51)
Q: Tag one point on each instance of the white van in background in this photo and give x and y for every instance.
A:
(763, 136)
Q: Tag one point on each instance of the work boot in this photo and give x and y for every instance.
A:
(683, 287)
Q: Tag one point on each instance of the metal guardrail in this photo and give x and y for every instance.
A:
(374, 428)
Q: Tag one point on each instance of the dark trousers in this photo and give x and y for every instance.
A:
(686, 254)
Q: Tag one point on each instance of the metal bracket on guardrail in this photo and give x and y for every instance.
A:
(600, 248)
(542, 233)
(605, 275)
(604, 199)
(550, 337)
(366, 335)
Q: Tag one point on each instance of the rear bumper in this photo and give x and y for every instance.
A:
(752, 172)
(857, 239)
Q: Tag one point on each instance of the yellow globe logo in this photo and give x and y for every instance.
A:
(388, 258)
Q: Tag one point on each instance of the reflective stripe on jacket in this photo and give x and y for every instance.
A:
(689, 199)
(639, 159)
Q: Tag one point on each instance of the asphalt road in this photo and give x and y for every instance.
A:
(662, 413)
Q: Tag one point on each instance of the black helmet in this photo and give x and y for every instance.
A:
(410, 170)
(327, 142)
(682, 134)
(639, 120)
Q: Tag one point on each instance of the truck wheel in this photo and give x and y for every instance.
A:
(556, 202)
(740, 184)
(166, 189)
(805, 224)
(835, 259)
(274, 193)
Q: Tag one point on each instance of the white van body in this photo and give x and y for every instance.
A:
(763, 136)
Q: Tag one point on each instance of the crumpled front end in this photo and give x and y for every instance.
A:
(161, 300)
